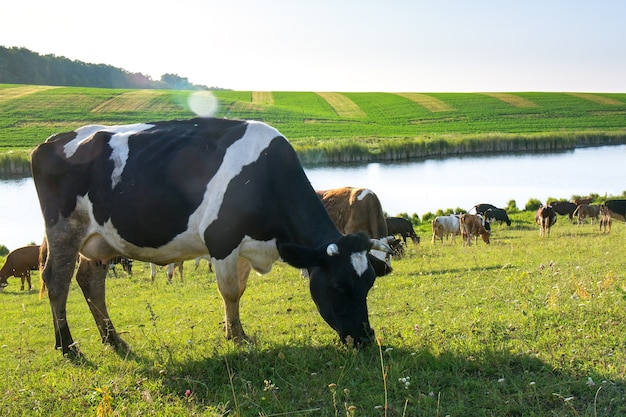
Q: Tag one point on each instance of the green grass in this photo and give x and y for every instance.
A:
(378, 125)
(522, 327)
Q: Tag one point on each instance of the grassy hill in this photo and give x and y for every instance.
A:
(338, 126)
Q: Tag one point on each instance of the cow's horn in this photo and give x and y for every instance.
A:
(332, 250)
(381, 244)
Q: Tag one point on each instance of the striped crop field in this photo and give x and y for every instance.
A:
(370, 125)
(263, 97)
(513, 100)
(343, 105)
(428, 102)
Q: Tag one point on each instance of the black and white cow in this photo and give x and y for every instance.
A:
(169, 191)
(497, 215)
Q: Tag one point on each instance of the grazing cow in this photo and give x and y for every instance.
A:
(127, 265)
(359, 210)
(483, 207)
(564, 208)
(586, 200)
(18, 264)
(545, 217)
(169, 191)
(402, 227)
(170, 271)
(472, 226)
(587, 210)
(605, 219)
(446, 226)
(497, 215)
(200, 258)
(617, 209)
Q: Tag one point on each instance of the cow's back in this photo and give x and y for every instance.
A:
(127, 179)
(355, 210)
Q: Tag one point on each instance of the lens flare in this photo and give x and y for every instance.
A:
(203, 103)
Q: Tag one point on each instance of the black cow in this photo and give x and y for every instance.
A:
(483, 207)
(402, 227)
(169, 191)
(564, 208)
(497, 215)
(617, 209)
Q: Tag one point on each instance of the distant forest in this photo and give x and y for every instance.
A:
(22, 66)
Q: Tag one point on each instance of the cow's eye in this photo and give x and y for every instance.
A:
(340, 287)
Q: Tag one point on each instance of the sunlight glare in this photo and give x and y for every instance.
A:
(203, 103)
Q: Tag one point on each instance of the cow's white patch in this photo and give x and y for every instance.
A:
(245, 151)
(363, 194)
(359, 262)
(82, 133)
(118, 144)
(187, 245)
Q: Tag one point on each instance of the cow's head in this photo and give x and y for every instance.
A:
(340, 276)
(380, 254)
(484, 233)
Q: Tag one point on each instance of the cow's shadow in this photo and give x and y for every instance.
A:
(252, 381)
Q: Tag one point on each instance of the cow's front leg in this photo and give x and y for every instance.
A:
(91, 277)
(232, 278)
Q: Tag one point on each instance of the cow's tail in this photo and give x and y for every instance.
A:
(575, 213)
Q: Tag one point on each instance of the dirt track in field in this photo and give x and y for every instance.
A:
(343, 106)
(430, 103)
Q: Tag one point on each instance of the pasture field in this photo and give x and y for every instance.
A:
(525, 326)
(333, 126)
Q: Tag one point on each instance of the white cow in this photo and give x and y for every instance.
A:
(446, 226)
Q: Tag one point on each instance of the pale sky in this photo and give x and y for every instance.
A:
(339, 45)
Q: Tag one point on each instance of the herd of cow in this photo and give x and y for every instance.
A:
(231, 191)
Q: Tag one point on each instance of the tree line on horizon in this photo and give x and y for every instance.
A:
(23, 66)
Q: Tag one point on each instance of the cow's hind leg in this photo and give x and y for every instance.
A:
(91, 277)
(57, 275)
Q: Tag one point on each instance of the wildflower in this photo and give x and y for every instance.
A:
(269, 386)
(590, 382)
(501, 380)
(187, 393)
(405, 381)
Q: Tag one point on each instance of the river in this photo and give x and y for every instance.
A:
(410, 187)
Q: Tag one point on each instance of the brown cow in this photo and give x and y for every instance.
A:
(471, 226)
(359, 210)
(355, 210)
(545, 217)
(587, 210)
(605, 219)
(585, 200)
(19, 263)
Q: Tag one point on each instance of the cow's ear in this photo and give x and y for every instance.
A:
(299, 256)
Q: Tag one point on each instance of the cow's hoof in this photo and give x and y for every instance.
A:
(72, 351)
